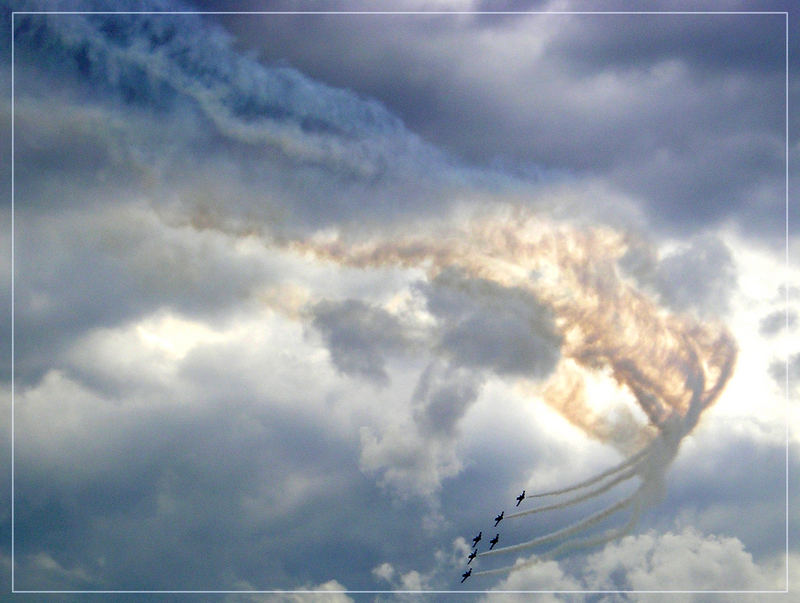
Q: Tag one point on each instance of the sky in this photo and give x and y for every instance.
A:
(301, 302)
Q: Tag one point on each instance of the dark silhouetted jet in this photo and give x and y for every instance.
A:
(472, 556)
(499, 518)
(466, 575)
(476, 540)
(520, 497)
(493, 541)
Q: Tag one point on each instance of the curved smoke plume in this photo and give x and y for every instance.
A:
(674, 367)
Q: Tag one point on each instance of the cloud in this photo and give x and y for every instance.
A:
(700, 277)
(329, 592)
(95, 268)
(176, 425)
(775, 322)
(418, 448)
(149, 60)
(442, 396)
(540, 577)
(332, 587)
(683, 112)
(685, 560)
(409, 463)
(485, 325)
(729, 42)
(480, 328)
(161, 462)
(778, 371)
(437, 575)
(228, 126)
(409, 581)
(358, 336)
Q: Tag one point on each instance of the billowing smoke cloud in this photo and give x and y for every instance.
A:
(673, 367)
(155, 60)
(670, 364)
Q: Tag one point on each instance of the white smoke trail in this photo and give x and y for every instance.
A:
(633, 460)
(569, 530)
(673, 366)
(631, 473)
(575, 545)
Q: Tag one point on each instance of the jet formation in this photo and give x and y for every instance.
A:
(492, 542)
(574, 536)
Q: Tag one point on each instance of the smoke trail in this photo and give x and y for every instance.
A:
(575, 528)
(575, 545)
(673, 366)
(156, 58)
(578, 499)
(593, 480)
(605, 323)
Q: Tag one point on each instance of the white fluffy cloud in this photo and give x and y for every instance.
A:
(685, 560)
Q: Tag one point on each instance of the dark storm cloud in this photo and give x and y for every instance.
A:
(323, 154)
(683, 111)
(726, 42)
(358, 336)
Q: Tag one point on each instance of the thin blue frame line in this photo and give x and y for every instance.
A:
(786, 226)
(12, 303)
(322, 12)
(396, 592)
(786, 287)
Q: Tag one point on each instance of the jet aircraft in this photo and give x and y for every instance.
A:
(466, 575)
(499, 518)
(493, 541)
(472, 556)
(520, 497)
(476, 540)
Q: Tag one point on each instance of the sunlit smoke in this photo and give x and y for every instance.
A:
(622, 477)
(594, 479)
(575, 528)
(673, 367)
